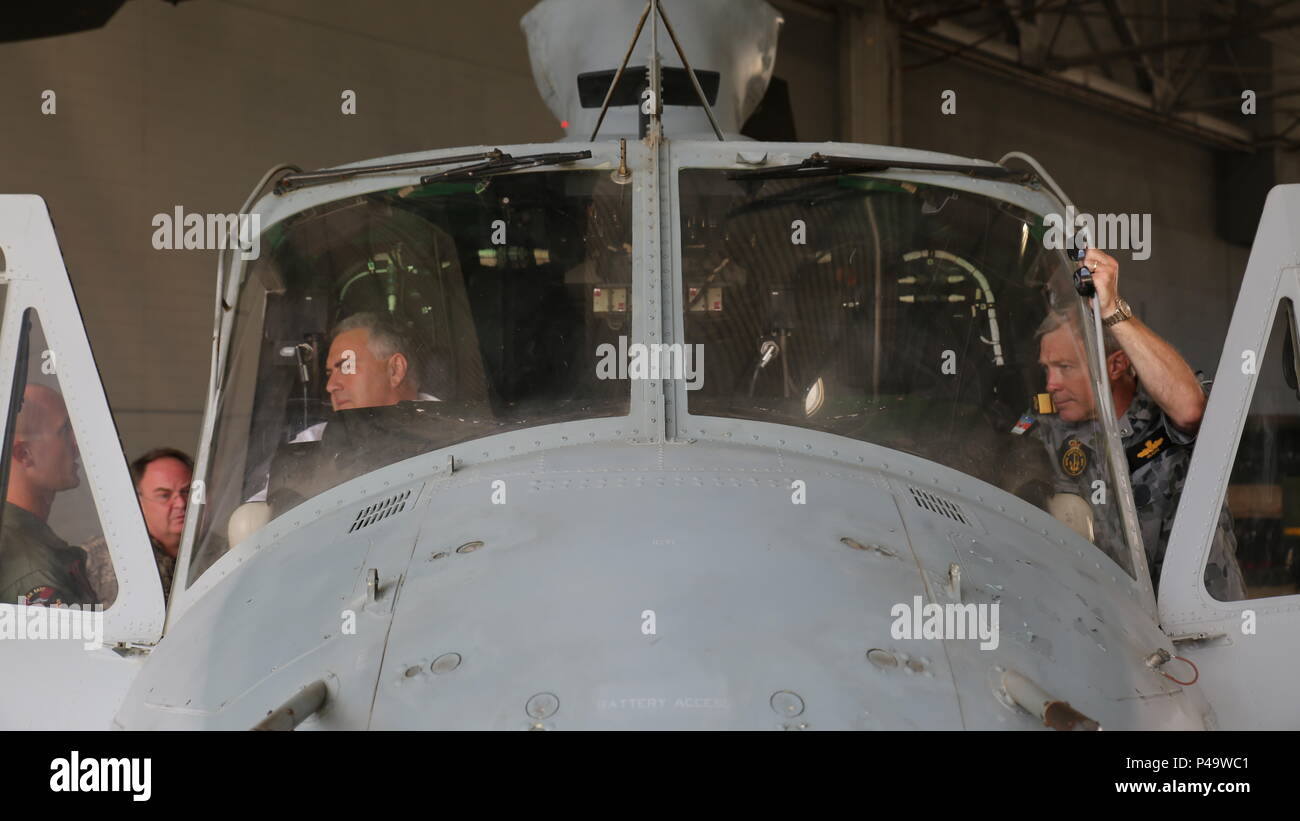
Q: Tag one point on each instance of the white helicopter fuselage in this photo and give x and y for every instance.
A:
(665, 567)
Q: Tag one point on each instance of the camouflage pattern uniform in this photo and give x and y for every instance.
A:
(37, 565)
(1079, 465)
(99, 569)
(1158, 456)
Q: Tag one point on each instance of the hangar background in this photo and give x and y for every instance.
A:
(1132, 105)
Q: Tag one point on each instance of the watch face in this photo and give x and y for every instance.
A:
(1122, 312)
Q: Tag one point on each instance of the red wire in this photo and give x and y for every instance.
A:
(1195, 677)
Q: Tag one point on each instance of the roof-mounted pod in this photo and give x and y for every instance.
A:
(577, 46)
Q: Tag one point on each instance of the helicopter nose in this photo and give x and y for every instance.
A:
(597, 605)
(797, 593)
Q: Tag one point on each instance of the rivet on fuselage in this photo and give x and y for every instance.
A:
(786, 703)
(542, 706)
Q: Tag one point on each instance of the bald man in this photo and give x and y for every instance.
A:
(35, 564)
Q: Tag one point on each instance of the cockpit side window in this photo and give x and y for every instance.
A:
(52, 546)
(1255, 547)
(904, 314)
(391, 324)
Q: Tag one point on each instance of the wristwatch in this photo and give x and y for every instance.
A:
(1122, 312)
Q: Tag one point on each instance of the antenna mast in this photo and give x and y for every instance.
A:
(656, 76)
(655, 70)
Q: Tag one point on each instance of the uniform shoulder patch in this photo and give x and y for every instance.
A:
(1074, 457)
(42, 595)
(1026, 422)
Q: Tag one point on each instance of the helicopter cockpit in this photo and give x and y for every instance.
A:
(502, 290)
(900, 313)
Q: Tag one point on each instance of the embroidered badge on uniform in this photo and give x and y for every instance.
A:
(41, 595)
(1026, 422)
(1152, 447)
(1074, 458)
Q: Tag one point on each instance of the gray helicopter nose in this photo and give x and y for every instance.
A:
(722, 600)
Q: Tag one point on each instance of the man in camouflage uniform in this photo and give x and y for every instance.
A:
(35, 564)
(1160, 402)
(162, 483)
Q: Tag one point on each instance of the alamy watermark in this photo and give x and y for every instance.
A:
(84, 622)
(950, 621)
(179, 231)
(1106, 232)
(654, 361)
(77, 774)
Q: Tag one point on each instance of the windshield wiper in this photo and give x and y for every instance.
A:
(495, 161)
(825, 165)
(305, 178)
(499, 163)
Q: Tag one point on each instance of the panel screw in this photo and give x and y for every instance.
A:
(787, 703)
(542, 706)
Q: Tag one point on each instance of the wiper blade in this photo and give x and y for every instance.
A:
(494, 162)
(499, 163)
(303, 179)
(825, 165)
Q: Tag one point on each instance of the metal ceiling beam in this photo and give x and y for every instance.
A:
(956, 11)
(1225, 33)
(1091, 37)
(1080, 84)
(1148, 80)
(1189, 71)
(1010, 24)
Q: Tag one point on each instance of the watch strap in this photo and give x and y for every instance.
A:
(1122, 312)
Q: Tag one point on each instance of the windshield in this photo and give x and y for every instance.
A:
(382, 326)
(912, 316)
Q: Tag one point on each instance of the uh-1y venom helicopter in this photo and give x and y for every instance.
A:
(573, 537)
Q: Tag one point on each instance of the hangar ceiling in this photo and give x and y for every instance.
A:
(1180, 64)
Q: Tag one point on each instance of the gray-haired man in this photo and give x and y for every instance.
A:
(1159, 401)
(371, 363)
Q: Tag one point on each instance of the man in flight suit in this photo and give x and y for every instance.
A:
(35, 564)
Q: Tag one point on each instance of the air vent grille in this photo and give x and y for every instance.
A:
(379, 511)
(936, 504)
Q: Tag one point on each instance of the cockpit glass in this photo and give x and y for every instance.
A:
(381, 326)
(924, 319)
